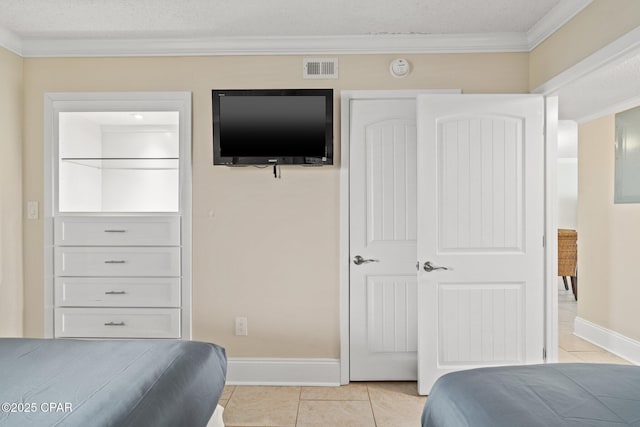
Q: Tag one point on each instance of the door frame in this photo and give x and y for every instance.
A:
(550, 250)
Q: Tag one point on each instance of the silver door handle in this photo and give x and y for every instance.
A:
(115, 293)
(115, 261)
(114, 324)
(428, 267)
(357, 260)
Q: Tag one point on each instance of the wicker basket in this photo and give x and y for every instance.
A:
(567, 252)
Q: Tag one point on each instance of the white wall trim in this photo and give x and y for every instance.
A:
(361, 44)
(551, 227)
(575, 86)
(611, 341)
(343, 265)
(273, 371)
(49, 154)
(614, 51)
(552, 21)
(610, 109)
(10, 41)
(294, 45)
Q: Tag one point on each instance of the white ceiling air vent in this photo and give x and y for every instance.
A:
(320, 68)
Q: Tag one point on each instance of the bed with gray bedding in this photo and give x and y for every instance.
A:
(555, 395)
(109, 383)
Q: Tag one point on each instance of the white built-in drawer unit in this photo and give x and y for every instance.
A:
(117, 323)
(117, 215)
(117, 292)
(117, 261)
(117, 276)
(117, 231)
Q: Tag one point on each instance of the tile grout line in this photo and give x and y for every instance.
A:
(373, 414)
(228, 402)
(298, 410)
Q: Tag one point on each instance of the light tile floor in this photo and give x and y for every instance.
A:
(371, 404)
(572, 349)
(359, 404)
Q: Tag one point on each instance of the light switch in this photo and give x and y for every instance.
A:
(241, 326)
(32, 210)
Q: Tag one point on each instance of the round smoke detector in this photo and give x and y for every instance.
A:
(399, 68)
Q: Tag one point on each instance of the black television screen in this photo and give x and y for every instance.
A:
(268, 126)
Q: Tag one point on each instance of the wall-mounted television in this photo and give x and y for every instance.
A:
(272, 126)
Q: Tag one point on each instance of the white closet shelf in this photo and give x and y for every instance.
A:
(131, 163)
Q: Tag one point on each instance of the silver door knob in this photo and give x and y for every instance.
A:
(357, 260)
(428, 267)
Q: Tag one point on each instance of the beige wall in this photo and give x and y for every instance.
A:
(268, 249)
(599, 24)
(263, 248)
(606, 232)
(608, 236)
(10, 194)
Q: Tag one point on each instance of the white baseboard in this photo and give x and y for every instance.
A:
(267, 371)
(611, 341)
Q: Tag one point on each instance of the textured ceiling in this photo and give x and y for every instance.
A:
(249, 18)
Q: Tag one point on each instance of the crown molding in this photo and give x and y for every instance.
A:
(365, 44)
(576, 86)
(623, 47)
(562, 13)
(10, 41)
(378, 43)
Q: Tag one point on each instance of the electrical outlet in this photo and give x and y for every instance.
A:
(32, 210)
(241, 326)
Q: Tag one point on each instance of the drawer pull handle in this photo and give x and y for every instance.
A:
(115, 293)
(115, 231)
(115, 261)
(114, 324)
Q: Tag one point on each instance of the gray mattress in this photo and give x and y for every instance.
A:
(109, 383)
(552, 395)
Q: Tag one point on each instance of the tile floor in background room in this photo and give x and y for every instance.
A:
(372, 404)
(572, 349)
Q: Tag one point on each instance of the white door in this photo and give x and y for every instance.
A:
(383, 322)
(481, 215)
